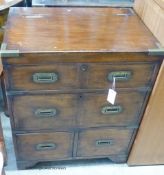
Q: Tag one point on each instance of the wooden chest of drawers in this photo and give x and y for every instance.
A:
(58, 66)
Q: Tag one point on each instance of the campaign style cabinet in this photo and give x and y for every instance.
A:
(59, 64)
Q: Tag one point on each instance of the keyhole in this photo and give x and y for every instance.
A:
(84, 68)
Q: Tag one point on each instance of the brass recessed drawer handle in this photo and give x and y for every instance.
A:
(45, 146)
(46, 112)
(120, 75)
(110, 110)
(105, 142)
(45, 77)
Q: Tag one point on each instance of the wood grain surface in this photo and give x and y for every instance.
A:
(92, 75)
(152, 14)
(119, 141)
(77, 29)
(28, 150)
(149, 144)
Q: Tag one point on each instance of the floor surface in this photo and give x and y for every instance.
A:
(96, 167)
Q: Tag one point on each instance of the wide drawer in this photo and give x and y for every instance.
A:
(96, 111)
(44, 146)
(48, 77)
(44, 111)
(84, 76)
(128, 75)
(63, 111)
(104, 142)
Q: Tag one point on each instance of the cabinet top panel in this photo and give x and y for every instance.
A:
(80, 29)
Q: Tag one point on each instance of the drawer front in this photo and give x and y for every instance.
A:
(96, 111)
(100, 76)
(44, 146)
(104, 142)
(57, 76)
(86, 76)
(44, 111)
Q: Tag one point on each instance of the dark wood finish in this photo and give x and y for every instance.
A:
(97, 75)
(118, 138)
(65, 106)
(69, 75)
(82, 48)
(91, 114)
(80, 57)
(27, 146)
(88, 112)
(84, 30)
(22, 77)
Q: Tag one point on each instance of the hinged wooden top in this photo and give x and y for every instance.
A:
(77, 29)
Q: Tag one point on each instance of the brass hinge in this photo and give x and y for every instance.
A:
(8, 53)
(156, 52)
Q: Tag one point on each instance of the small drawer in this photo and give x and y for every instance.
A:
(104, 142)
(100, 76)
(55, 111)
(49, 77)
(44, 146)
(96, 111)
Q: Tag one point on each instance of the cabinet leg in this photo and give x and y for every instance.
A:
(21, 165)
(118, 159)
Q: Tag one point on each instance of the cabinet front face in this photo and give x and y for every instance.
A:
(44, 146)
(104, 142)
(80, 76)
(96, 111)
(64, 111)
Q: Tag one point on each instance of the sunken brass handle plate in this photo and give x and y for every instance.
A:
(110, 110)
(120, 75)
(46, 112)
(104, 142)
(45, 77)
(45, 146)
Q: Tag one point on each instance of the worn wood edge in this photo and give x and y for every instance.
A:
(136, 156)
